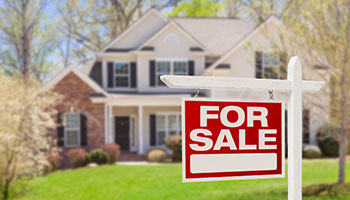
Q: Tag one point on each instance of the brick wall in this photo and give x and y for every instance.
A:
(77, 96)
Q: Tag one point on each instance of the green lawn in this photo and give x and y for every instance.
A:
(164, 182)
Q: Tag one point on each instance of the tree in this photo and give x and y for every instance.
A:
(196, 8)
(26, 114)
(90, 24)
(256, 11)
(320, 32)
(232, 8)
(27, 39)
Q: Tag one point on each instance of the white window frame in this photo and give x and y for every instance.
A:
(171, 60)
(72, 129)
(115, 75)
(166, 130)
(263, 65)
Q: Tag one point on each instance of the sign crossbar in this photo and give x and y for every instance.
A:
(294, 85)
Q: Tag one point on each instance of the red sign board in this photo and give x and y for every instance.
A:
(232, 140)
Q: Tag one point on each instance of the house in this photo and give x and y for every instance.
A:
(119, 98)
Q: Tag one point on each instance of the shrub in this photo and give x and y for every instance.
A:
(98, 156)
(54, 160)
(76, 157)
(156, 155)
(328, 145)
(173, 142)
(113, 152)
(311, 151)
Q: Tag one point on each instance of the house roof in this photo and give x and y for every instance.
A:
(218, 35)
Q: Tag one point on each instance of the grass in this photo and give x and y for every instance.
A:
(164, 182)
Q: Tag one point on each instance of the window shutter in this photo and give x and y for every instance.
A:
(133, 74)
(258, 64)
(152, 73)
(191, 67)
(83, 130)
(110, 72)
(153, 130)
(60, 130)
(283, 65)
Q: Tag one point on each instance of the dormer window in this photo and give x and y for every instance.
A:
(121, 74)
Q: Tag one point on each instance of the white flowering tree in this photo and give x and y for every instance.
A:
(26, 115)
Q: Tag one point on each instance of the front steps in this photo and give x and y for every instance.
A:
(130, 156)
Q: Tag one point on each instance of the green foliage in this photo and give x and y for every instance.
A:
(311, 151)
(173, 142)
(98, 156)
(196, 8)
(329, 147)
(156, 155)
(325, 138)
(327, 190)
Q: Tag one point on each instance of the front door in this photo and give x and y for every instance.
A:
(122, 127)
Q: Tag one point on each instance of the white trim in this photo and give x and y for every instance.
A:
(184, 179)
(172, 23)
(233, 83)
(72, 129)
(241, 43)
(50, 84)
(133, 26)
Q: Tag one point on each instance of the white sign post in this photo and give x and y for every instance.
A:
(294, 85)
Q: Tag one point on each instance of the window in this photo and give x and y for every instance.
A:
(72, 130)
(163, 67)
(180, 68)
(270, 65)
(121, 74)
(170, 67)
(167, 124)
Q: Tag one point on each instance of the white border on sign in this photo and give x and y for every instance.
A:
(184, 179)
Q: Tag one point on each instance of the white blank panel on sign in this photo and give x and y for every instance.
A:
(205, 163)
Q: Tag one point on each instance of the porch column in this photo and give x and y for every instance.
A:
(140, 123)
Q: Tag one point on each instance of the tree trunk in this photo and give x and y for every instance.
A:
(342, 158)
(5, 192)
(343, 126)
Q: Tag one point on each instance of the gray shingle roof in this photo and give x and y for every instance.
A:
(218, 35)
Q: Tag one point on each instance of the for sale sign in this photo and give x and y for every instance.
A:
(231, 140)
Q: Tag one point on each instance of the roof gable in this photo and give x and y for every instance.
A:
(216, 34)
(149, 24)
(60, 76)
(244, 41)
(176, 27)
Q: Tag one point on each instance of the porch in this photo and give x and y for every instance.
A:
(140, 122)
